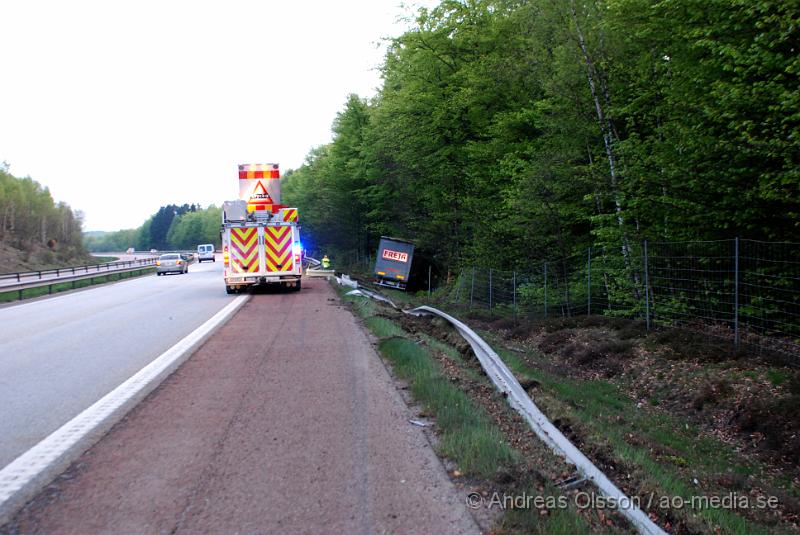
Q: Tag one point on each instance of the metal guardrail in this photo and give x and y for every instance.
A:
(70, 271)
(63, 279)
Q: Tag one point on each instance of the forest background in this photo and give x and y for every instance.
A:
(508, 132)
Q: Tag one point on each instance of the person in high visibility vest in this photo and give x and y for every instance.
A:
(326, 262)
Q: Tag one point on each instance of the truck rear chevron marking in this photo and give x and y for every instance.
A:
(278, 242)
(244, 250)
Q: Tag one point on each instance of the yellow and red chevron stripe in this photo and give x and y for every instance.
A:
(278, 241)
(244, 250)
(290, 215)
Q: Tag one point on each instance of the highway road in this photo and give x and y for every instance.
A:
(59, 355)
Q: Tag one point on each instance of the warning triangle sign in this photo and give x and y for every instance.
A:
(260, 193)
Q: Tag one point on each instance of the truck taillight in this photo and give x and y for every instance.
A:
(297, 249)
(226, 257)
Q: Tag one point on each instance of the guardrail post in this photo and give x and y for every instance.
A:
(736, 294)
(545, 290)
(58, 272)
(40, 275)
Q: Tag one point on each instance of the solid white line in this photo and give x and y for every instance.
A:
(30, 472)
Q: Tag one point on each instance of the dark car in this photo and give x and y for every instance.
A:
(171, 263)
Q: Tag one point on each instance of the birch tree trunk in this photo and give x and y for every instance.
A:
(608, 133)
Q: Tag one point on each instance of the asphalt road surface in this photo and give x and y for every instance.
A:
(285, 421)
(59, 355)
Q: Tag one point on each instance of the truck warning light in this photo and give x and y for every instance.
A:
(388, 254)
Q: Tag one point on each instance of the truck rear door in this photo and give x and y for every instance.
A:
(278, 240)
(246, 257)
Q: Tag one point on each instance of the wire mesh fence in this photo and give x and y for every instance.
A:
(744, 291)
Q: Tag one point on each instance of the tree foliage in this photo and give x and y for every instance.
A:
(31, 221)
(172, 227)
(510, 131)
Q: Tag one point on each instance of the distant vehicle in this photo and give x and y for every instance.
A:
(153, 251)
(393, 263)
(171, 263)
(205, 252)
(130, 250)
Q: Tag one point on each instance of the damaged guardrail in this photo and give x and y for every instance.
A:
(518, 398)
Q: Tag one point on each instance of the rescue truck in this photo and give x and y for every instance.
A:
(260, 236)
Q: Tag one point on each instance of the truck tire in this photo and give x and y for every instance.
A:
(230, 289)
(297, 286)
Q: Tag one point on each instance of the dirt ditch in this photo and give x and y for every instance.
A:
(692, 375)
(749, 404)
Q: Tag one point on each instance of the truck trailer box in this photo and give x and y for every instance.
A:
(393, 263)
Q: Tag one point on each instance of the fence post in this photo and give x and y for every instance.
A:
(646, 288)
(514, 286)
(736, 295)
(490, 291)
(472, 288)
(429, 280)
(545, 290)
(458, 285)
(589, 284)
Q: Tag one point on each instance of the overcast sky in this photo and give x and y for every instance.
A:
(122, 107)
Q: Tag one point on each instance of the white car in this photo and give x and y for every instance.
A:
(205, 252)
